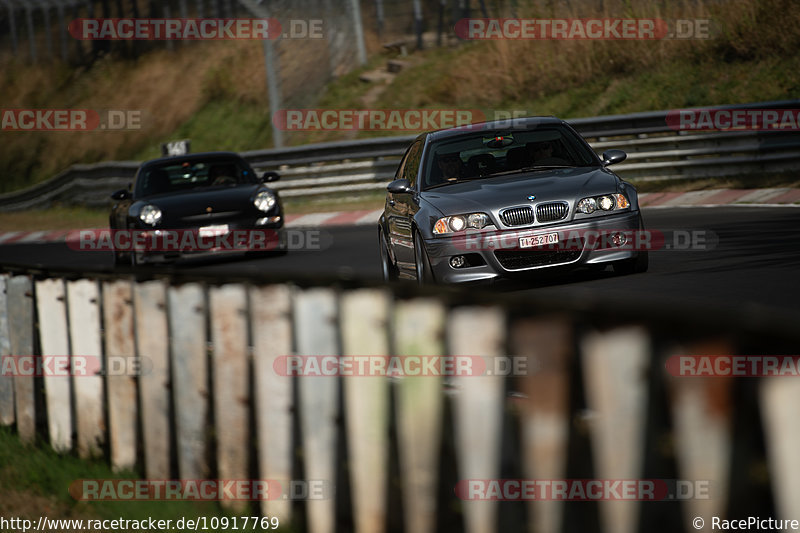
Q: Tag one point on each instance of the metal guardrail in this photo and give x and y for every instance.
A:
(594, 401)
(352, 167)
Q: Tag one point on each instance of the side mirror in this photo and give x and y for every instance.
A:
(399, 186)
(611, 157)
(121, 194)
(270, 176)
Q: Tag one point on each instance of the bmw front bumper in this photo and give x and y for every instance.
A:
(496, 254)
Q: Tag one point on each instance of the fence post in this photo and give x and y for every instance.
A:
(83, 299)
(20, 328)
(316, 335)
(152, 342)
(478, 405)
(231, 381)
(6, 382)
(615, 371)
(31, 33)
(272, 338)
(702, 425)
(48, 37)
(187, 319)
(418, 23)
(54, 339)
(547, 345)
(120, 380)
(365, 314)
(355, 12)
(12, 26)
(62, 32)
(419, 330)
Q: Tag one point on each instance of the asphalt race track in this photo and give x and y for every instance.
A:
(751, 261)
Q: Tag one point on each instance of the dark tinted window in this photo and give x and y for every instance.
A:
(185, 175)
(411, 165)
(482, 154)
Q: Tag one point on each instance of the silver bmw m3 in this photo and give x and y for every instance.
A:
(507, 199)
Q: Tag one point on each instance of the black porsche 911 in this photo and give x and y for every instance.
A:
(193, 204)
(499, 200)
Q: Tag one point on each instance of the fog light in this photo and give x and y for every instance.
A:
(268, 220)
(458, 261)
(618, 239)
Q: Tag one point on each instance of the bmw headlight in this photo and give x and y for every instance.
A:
(456, 223)
(150, 215)
(606, 202)
(265, 200)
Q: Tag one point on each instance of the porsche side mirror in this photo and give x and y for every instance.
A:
(611, 157)
(121, 194)
(270, 176)
(399, 186)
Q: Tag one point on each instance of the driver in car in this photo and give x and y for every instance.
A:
(451, 166)
(542, 153)
(222, 175)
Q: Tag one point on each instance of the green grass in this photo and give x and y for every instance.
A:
(34, 481)
(54, 219)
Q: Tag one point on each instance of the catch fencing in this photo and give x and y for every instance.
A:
(596, 401)
(365, 166)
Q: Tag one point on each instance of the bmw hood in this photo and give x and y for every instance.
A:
(487, 194)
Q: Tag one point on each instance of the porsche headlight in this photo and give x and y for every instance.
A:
(606, 202)
(150, 215)
(265, 200)
(456, 223)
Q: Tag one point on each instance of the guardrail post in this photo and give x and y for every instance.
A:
(780, 397)
(20, 328)
(702, 425)
(547, 345)
(54, 339)
(419, 330)
(478, 405)
(316, 335)
(6, 381)
(121, 370)
(272, 339)
(152, 345)
(83, 303)
(187, 320)
(231, 381)
(365, 315)
(615, 370)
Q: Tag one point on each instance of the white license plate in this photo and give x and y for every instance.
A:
(212, 231)
(538, 240)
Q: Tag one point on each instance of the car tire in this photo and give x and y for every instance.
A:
(423, 264)
(121, 259)
(389, 269)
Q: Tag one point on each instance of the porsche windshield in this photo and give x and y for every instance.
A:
(485, 154)
(184, 175)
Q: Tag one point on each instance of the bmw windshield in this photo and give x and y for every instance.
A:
(489, 153)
